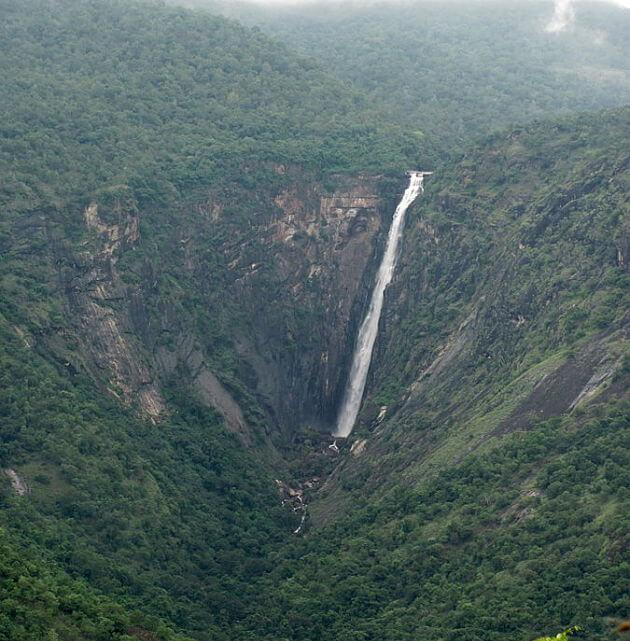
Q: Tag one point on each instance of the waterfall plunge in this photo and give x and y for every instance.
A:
(362, 356)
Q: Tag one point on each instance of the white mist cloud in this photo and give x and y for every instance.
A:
(563, 16)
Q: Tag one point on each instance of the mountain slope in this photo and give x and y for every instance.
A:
(166, 177)
(190, 222)
(528, 538)
(453, 72)
(483, 495)
(509, 303)
(39, 601)
(511, 295)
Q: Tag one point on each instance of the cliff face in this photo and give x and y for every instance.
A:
(508, 307)
(319, 252)
(94, 293)
(252, 304)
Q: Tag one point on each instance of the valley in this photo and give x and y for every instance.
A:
(260, 380)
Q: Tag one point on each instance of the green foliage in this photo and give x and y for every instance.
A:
(453, 72)
(513, 255)
(39, 601)
(528, 536)
(109, 95)
(562, 636)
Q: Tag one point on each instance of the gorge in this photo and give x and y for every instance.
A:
(204, 281)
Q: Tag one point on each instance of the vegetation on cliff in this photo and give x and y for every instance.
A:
(174, 518)
(172, 243)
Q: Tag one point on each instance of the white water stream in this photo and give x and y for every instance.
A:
(362, 356)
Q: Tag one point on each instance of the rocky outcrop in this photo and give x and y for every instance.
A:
(98, 306)
(187, 356)
(577, 380)
(320, 247)
(18, 484)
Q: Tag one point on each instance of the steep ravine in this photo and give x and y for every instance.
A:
(256, 313)
(324, 250)
(508, 307)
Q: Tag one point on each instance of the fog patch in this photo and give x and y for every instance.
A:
(563, 16)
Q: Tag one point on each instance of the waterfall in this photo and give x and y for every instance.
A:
(362, 356)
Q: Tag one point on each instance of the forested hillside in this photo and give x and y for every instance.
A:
(485, 495)
(40, 601)
(454, 71)
(527, 538)
(191, 218)
(186, 100)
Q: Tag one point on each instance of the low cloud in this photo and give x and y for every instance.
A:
(563, 16)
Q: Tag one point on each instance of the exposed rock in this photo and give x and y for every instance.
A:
(129, 378)
(623, 248)
(105, 326)
(577, 380)
(141, 634)
(455, 345)
(211, 391)
(323, 247)
(294, 498)
(18, 484)
(187, 354)
(112, 235)
(358, 447)
(594, 384)
(524, 507)
(27, 339)
(305, 254)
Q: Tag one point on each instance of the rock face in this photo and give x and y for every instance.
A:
(188, 355)
(18, 485)
(252, 306)
(323, 248)
(96, 298)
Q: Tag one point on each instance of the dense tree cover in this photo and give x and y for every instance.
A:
(511, 541)
(98, 94)
(141, 109)
(137, 108)
(39, 601)
(457, 521)
(528, 538)
(453, 71)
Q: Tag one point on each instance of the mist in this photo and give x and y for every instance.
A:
(563, 16)
(563, 9)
